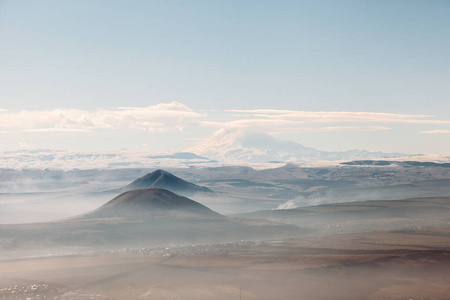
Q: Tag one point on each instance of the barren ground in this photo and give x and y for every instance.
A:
(398, 265)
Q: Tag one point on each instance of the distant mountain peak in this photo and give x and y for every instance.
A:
(155, 176)
(243, 145)
(249, 145)
(165, 180)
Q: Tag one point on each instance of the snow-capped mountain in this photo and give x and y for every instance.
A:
(238, 145)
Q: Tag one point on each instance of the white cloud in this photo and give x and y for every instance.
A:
(53, 130)
(437, 131)
(354, 128)
(196, 139)
(24, 145)
(300, 117)
(162, 117)
(330, 129)
(245, 123)
(2, 110)
(175, 117)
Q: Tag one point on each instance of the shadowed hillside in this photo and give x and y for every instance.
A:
(147, 203)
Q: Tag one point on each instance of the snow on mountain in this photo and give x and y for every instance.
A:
(225, 146)
(242, 145)
(239, 145)
(66, 160)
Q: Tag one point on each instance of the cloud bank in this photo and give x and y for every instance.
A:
(175, 116)
(162, 117)
(44, 127)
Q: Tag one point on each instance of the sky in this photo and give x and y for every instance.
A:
(164, 75)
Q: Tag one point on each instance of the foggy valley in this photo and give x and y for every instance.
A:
(242, 232)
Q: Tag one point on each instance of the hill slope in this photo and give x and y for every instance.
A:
(147, 203)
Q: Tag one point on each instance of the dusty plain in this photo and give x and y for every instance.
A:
(379, 265)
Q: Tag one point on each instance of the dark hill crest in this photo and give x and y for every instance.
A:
(164, 180)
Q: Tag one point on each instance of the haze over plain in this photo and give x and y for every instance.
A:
(224, 150)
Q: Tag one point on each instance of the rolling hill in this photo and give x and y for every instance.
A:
(364, 216)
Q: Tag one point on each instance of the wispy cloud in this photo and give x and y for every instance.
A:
(282, 121)
(300, 117)
(354, 128)
(277, 121)
(53, 130)
(162, 117)
(330, 129)
(196, 139)
(246, 123)
(437, 131)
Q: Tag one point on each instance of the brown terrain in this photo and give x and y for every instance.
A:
(381, 265)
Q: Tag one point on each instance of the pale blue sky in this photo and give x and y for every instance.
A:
(357, 56)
